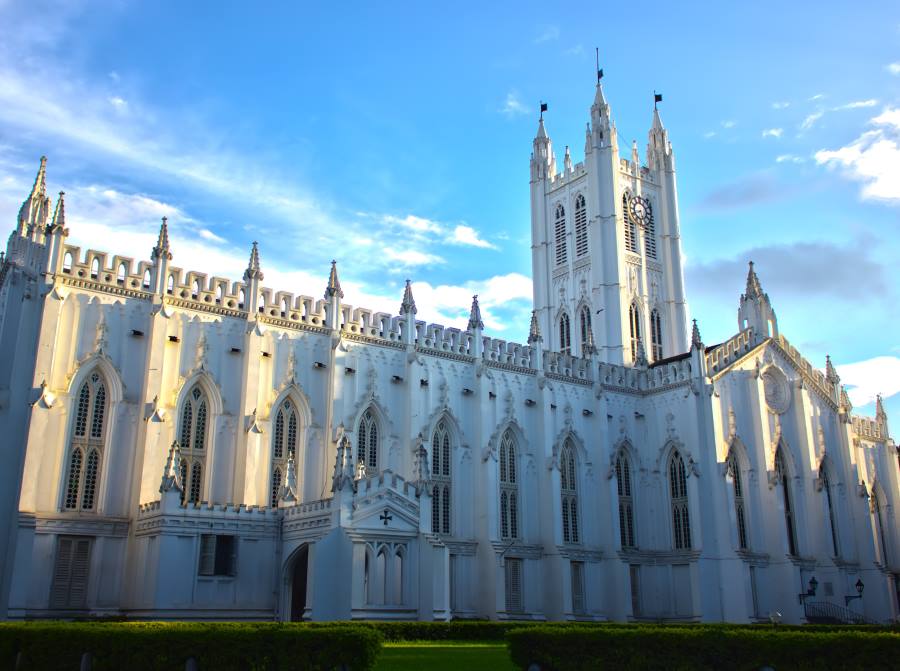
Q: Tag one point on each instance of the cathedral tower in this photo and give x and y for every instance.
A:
(606, 246)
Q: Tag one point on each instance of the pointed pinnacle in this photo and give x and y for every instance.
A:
(475, 315)
(534, 333)
(40, 181)
(253, 271)
(334, 284)
(657, 121)
(754, 288)
(696, 342)
(879, 407)
(830, 373)
(59, 214)
(408, 306)
(162, 243)
(542, 132)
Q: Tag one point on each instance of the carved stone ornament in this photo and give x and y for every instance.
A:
(776, 389)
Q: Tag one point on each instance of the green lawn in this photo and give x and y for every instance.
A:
(450, 655)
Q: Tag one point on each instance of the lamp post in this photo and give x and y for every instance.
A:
(813, 584)
(859, 590)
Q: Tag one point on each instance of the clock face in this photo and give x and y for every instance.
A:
(639, 209)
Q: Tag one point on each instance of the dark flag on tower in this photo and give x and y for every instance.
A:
(543, 109)
(599, 69)
(657, 98)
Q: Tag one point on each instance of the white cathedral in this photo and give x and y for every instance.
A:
(181, 446)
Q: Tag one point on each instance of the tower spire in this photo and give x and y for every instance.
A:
(754, 288)
(59, 214)
(408, 306)
(755, 310)
(534, 333)
(162, 243)
(830, 373)
(334, 284)
(696, 341)
(253, 271)
(475, 315)
(36, 208)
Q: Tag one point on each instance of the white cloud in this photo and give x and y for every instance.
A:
(772, 132)
(409, 258)
(871, 102)
(207, 234)
(577, 50)
(466, 235)
(817, 96)
(512, 106)
(788, 158)
(547, 34)
(118, 103)
(893, 68)
(780, 105)
(865, 379)
(729, 123)
(872, 158)
(414, 223)
(811, 120)
(709, 134)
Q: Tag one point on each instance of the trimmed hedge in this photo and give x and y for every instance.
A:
(162, 646)
(677, 648)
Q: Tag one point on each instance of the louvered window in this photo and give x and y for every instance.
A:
(587, 333)
(656, 335)
(367, 442)
(631, 235)
(577, 569)
(559, 233)
(581, 228)
(734, 470)
(649, 232)
(626, 503)
(513, 567)
(441, 475)
(509, 488)
(71, 569)
(218, 555)
(193, 440)
(565, 334)
(681, 522)
(86, 445)
(569, 493)
(284, 446)
(634, 322)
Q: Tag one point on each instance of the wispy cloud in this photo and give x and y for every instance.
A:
(117, 102)
(872, 158)
(773, 132)
(748, 191)
(709, 134)
(577, 50)
(811, 120)
(855, 105)
(729, 123)
(780, 105)
(788, 158)
(547, 33)
(817, 96)
(513, 106)
(893, 68)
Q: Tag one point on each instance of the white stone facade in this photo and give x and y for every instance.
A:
(183, 446)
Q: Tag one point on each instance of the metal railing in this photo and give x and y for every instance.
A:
(824, 612)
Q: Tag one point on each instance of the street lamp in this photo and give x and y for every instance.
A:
(859, 590)
(813, 584)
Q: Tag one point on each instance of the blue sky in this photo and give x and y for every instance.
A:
(395, 138)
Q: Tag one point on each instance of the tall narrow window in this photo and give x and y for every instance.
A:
(581, 229)
(879, 528)
(86, 445)
(565, 334)
(681, 523)
(71, 568)
(559, 235)
(626, 503)
(577, 569)
(440, 474)
(631, 236)
(734, 470)
(192, 437)
(826, 489)
(782, 477)
(569, 493)
(509, 488)
(649, 232)
(95, 268)
(634, 322)
(284, 446)
(513, 568)
(367, 442)
(656, 335)
(587, 333)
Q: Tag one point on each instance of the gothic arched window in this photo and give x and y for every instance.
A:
(565, 334)
(789, 523)
(587, 333)
(681, 521)
(634, 322)
(626, 502)
(146, 282)
(649, 233)
(509, 487)
(95, 268)
(284, 446)
(631, 236)
(440, 475)
(740, 511)
(367, 442)
(879, 528)
(192, 438)
(581, 230)
(559, 235)
(832, 520)
(569, 492)
(86, 445)
(656, 335)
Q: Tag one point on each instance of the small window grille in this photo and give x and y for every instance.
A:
(656, 335)
(581, 229)
(565, 334)
(569, 493)
(634, 573)
(218, 555)
(626, 504)
(513, 568)
(631, 236)
(681, 523)
(634, 321)
(649, 233)
(367, 442)
(577, 568)
(559, 230)
(86, 446)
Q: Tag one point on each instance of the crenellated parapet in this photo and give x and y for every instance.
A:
(868, 428)
(721, 356)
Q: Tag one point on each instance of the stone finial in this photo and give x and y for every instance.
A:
(475, 315)
(696, 342)
(162, 243)
(101, 335)
(35, 208)
(567, 161)
(587, 347)
(534, 333)
(423, 474)
(542, 132)
(408, 306)
(172, 473)
(754, 288)
(635, 157)
(640, 359)
(253, 272)
(830, 373)
(845, 400)
(343, 465)
(880, 414)
(59, 214)
(334, 284)
(289, 490)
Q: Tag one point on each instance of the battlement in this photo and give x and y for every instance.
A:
(229, 510)
(868, 428)
(723, 355)
(811, 375)
(560, 179)
(639, 380)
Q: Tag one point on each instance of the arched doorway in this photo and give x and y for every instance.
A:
(297, 575)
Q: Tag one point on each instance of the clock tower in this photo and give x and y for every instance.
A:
(606, 246)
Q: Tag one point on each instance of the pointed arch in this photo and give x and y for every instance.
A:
(634, 325)
(581, 226)
(878, 503)
(678, 499)
(290, 418)
(585, 328)
(559, 234)
(656, 338)
(368, 439)
(624, 470)
(649, 231)
(569, 489)
(737, 467)
(200, 403)
(826, 482)
(631, 236)
(509, 461)
(565, 333)
(441, 447)
(783, 471)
